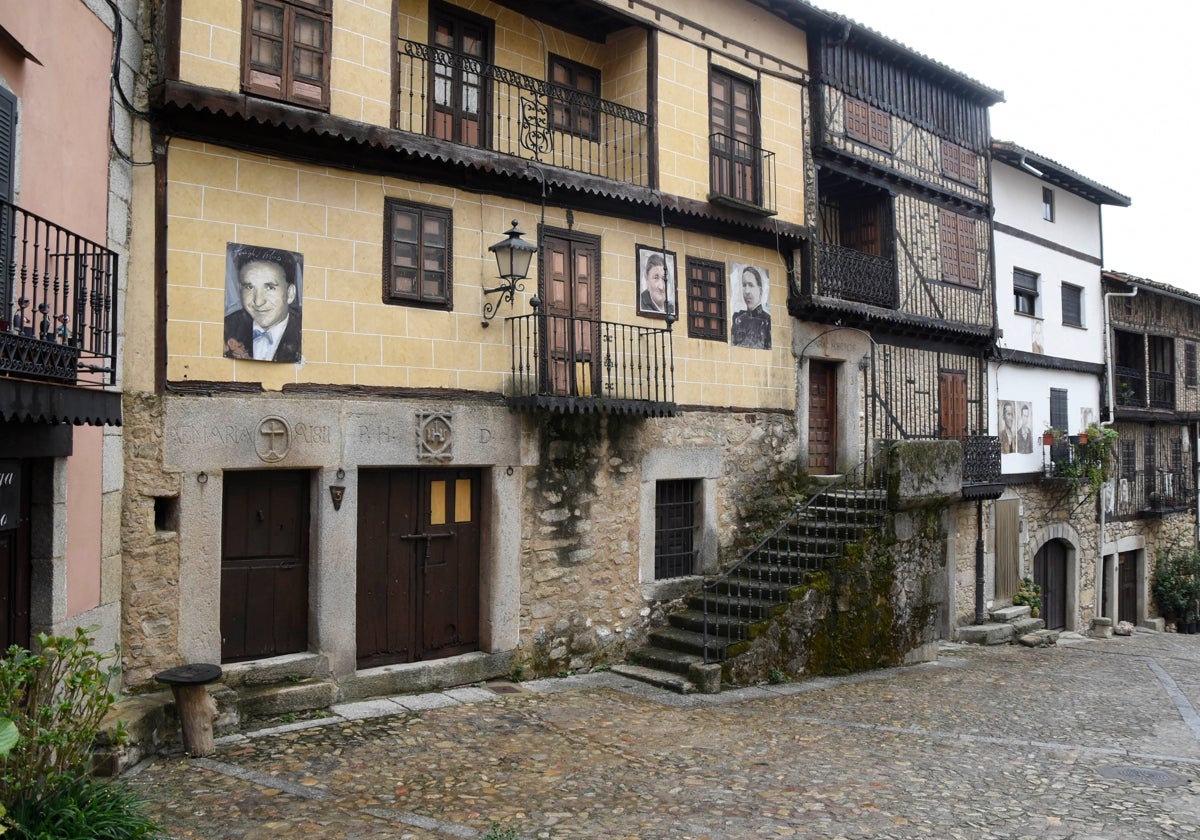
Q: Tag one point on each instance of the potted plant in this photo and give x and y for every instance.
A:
(1029, 594)
(1049, 436)
(1176, 586)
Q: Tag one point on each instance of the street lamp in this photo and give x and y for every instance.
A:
(513, 256)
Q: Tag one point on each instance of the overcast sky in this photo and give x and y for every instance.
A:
(1101, 87)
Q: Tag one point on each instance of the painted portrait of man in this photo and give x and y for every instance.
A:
(263, 289)
(656, 282)
(748, 292)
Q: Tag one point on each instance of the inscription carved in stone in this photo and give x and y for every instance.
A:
(274, 439)
(435, 437)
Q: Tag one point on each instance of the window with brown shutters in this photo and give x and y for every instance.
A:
(706, 299)
(960, 164)
(417, 255)
(286, 49)
(959, 254)
(868, 124)
(569, 111)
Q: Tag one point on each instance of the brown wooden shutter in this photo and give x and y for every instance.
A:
(968, 167)
(949, 233)
(881, 129)
(952, 394)
(858, 121)
(968, 256)
(950, 160)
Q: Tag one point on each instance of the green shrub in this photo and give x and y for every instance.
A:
(1176, 583)
(57, 698)
(83, 808)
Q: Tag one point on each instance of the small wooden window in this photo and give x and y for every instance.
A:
(1189, 364)
(1048, 204)
(571, 106)
(286, 51)
(1025, 291)
(868, 124)
(675, 528)
(1072, 305)
(706, 307)
(960, 255)
(417, 254)
(960, 164)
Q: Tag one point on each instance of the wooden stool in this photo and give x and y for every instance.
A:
(197, 709)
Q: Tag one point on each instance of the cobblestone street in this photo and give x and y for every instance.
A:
(1089, 739)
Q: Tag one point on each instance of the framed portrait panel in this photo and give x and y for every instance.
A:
(263, 294)
(749, 295)
(656, 292)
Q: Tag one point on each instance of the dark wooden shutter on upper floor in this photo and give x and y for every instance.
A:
(1072, 305)
(1059, 418)
(8, 147)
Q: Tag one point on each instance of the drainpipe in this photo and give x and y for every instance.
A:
(1102, 609)
(980, 616)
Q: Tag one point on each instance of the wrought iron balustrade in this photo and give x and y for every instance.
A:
(454, 97)
(981, 460)
(58, 300)
(1153, 492)
(847, 274)
(1162, 390)
(741, 174)
(580, 365)
(1130, 385)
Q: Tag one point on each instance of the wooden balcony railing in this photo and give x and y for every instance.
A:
(460, 99)
(572, 365)
(846, 274)
(58, 302)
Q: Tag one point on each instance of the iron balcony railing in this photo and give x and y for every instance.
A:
(1130, 385)
(569, 364)
(1151, 492)
(58, 302)
(981, 460)
(454, 97)
(741, 174)
(1162, 390)
(847, 274)
(815, 533)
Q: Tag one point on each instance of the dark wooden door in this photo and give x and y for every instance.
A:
(822, 418)
(952, 400)
(15, 559)
(734, 123)
(264, 564)
(572, 311)
(460, 91)
(1127, 586)
(418, 565)
(1050, 573)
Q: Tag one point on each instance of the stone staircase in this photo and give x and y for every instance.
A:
(1005, 626)
(737, 605)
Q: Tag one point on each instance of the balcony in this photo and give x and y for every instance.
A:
(741, 175)
(456, 98)
(981, 467)
(58, 298)
(569, 365)
(1155, 492)
(1130, 385)
(847, 274)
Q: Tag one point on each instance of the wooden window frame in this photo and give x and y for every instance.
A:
(254, 75)
(707, 307)
(959, 261)
(1026, 287)
(572, 117)
(1067, 289)
(421, 212)
(960, 164)
(868, 124)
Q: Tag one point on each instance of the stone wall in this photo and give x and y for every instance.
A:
(587, 594)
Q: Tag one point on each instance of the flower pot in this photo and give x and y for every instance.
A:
(1083, 438)
(1191, 627)
(1048, 439)
(1035, 612)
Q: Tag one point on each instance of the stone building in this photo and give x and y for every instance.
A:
(432, 470)
(1154, 393)
(65, 171)
(1047, 375)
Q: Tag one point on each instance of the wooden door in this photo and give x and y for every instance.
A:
(418, 565)
(1127, 586)
(822, 418)
(1050, 573)
(264, 564)
(460, 91)
(734, 126)
(952, 401)
(16, 563)
(570, 330)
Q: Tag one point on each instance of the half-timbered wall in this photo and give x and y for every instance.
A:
(1172, 319)
(903, 390)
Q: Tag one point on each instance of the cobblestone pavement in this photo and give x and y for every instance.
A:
(1090, 739)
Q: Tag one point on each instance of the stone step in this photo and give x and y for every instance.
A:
(687, 641)
(742, 609)
(986, 634)
(665, 659)
(284, 698)
(725, 627)
(1007, 615)
(656, 677)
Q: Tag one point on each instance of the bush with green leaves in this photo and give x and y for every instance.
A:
(57, 698)
(1176, 583)
(83, 807)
